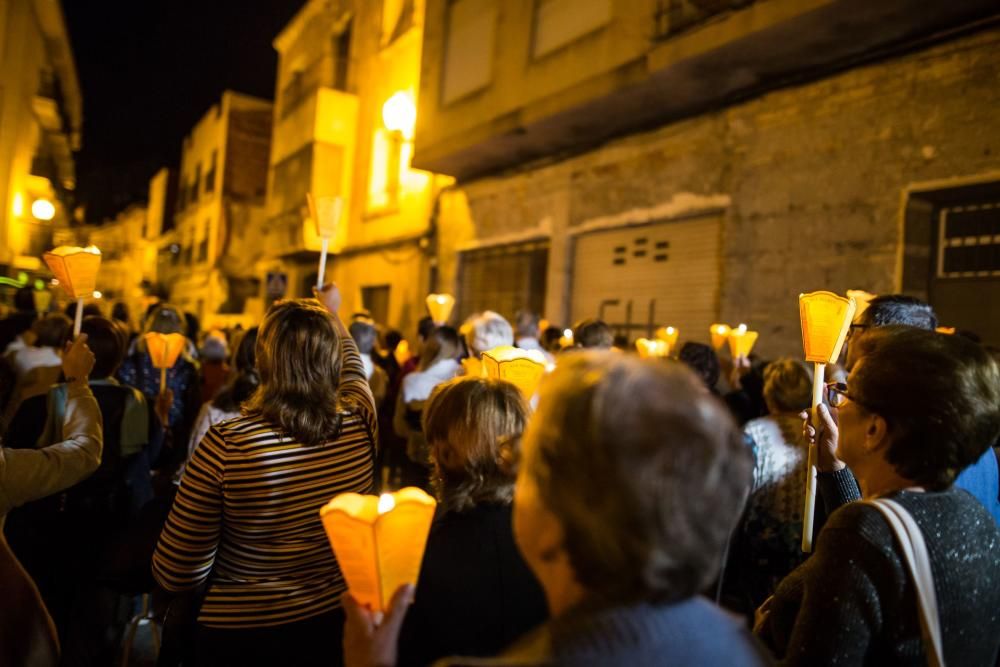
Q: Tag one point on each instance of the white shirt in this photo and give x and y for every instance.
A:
(366, 361)
(418, 385)
(530, 343)
(29, 358)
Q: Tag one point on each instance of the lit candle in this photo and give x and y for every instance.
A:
(163, 352)
(76, 270)
(668, 335)
(648, 349)
(379, 542)
(825, 319)
(440, 306)
(522, 368)
(325, 212)
(719, 333)
(741, 341)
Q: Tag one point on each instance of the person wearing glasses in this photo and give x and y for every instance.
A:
(916, 409)
(982, 478)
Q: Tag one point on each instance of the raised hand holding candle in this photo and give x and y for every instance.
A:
(325, 212)
(522, 368)
(649, 349)
(825, 319)
(719, 333)
(741, 341)
(76, 270)
(163, 352)
(379, 541)
(440, 307)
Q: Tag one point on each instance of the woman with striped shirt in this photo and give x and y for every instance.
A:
(246, 518)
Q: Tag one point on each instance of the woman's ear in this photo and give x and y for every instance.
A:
(876, 433)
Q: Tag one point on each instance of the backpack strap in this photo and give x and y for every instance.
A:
(914, 552)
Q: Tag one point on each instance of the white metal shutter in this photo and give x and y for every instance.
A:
(643, 277)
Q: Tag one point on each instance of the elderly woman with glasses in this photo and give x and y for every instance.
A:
(917, 408)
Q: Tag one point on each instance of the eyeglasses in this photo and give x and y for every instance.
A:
(837, 396)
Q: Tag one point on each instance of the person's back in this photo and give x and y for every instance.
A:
(875, 618)
(475, 594)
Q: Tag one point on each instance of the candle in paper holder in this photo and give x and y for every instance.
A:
(473, 367)
(861, 298)
(826, 319)
(649, 349)
(670, 335)
(163, 351)
(379, 541)
(325, 212)
(440, 307)
(522, 368)
(566, 340)
(719, 333)
(76, 270)
(741, 341)
(945, 330)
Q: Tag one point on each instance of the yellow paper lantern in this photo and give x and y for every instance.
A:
(379, 541)
(522, 368)
(741, 341)
(826, 318)
(861, 298)
(566, 340)
(75, 269)
(164, 348)
(656, 347)
(440, 306)
(719, 333)
(669, 335)
(473, 367)
(325, 212)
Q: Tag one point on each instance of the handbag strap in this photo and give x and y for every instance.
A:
(911, 542)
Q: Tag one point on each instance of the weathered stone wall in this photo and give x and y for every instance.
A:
(812, 178)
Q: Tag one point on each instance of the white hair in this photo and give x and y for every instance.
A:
(488, 330)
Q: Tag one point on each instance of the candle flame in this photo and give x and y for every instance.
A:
(385, 503)
(742, 329)
(721, 329)
(568, 333)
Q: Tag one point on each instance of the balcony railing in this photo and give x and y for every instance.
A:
(675, 16)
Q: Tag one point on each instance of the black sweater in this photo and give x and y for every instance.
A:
(853, 601)
(475, 594)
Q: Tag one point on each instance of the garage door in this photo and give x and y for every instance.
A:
(640, 278)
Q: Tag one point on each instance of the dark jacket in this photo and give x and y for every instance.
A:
(475, 594)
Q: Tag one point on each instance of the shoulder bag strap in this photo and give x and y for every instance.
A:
(911, 542)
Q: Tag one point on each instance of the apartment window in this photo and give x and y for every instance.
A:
(969, 241)
(342, 57)
(505, 278)
(469, 48)
(390, 159)
(560, 22)
(203, 251)
(375, 299)
(196, 183)
(210, 176)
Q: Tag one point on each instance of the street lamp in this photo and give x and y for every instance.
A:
(399, 115)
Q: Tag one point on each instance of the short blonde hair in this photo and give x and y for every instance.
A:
(787, 385)
(473, 426)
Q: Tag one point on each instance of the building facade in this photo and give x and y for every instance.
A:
(207, 255)
(678, 162)
(343, 126)
(41, 116)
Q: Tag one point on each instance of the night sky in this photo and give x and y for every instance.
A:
(149, 69)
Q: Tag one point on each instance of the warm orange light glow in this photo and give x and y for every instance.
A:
(440, 307)
(670, 335)
(379, 542)
(75, 269)
(43, 209)
(399, 114)
(825, 319)
(946, 330)
(522, 368)
(402, 352)
(719, 333)
(325, 212)
(164, 348)
(17, 205)
(741, 341)
(652, 348)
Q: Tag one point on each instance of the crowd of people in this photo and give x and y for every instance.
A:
(632, 512)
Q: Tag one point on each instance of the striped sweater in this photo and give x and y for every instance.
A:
(246, 516)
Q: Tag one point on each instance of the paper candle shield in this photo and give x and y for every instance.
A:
(440, 306)
(473, 367)
(325, 212)
(670, 335)
(164, 348)
(741, 341)
(522, 368)
(861, 298)
(75, 268)
(719, 333)
(825, 318)
(378, 544)
(652, 348)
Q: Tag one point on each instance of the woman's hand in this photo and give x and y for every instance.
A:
(78, 361)
(329, 297)
(825, 440)
(370, 641)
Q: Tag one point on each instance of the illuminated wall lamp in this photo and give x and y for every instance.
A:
(43, 209)
(399, 115)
